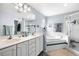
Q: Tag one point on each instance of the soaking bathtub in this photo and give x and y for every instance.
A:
(56, 41)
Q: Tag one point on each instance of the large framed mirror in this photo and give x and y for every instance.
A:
(24, 27)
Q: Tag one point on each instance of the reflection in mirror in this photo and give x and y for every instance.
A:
(58, 27)
(24, 27)
(7, 30)
(30, 25)
(17, 27)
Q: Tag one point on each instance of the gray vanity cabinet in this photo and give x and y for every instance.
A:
(32, 47)
(35, 46)
(22, 49)
(39, 45)
(9, 51)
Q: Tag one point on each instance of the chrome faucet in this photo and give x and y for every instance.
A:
(10, 37)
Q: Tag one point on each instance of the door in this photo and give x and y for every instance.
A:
(10, 51)
(32, 48)
(22, 49)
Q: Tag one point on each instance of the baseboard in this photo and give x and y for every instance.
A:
(43, 53)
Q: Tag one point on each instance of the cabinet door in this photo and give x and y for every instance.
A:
(22, 49)
(0, 53)
(32, 49)
(41, 43)
(10, 51)
(37, 46)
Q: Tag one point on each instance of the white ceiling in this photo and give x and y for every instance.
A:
(50, 9)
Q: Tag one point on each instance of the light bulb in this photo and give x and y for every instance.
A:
(29, 9)
(25, 6)
(20, 4)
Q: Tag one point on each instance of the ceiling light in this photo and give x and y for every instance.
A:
(65, 4)
(22, 7)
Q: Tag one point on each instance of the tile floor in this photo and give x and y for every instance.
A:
(60, 52)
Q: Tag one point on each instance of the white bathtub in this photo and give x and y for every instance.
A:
(53, 38)
(56, 36)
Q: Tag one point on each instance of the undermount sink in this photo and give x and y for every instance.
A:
(10, 40)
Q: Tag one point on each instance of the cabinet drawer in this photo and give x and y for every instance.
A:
(22, 44)
(31, 41)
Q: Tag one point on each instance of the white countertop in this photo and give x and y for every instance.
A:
(15, 40)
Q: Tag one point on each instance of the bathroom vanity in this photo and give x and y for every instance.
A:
(31, 45)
